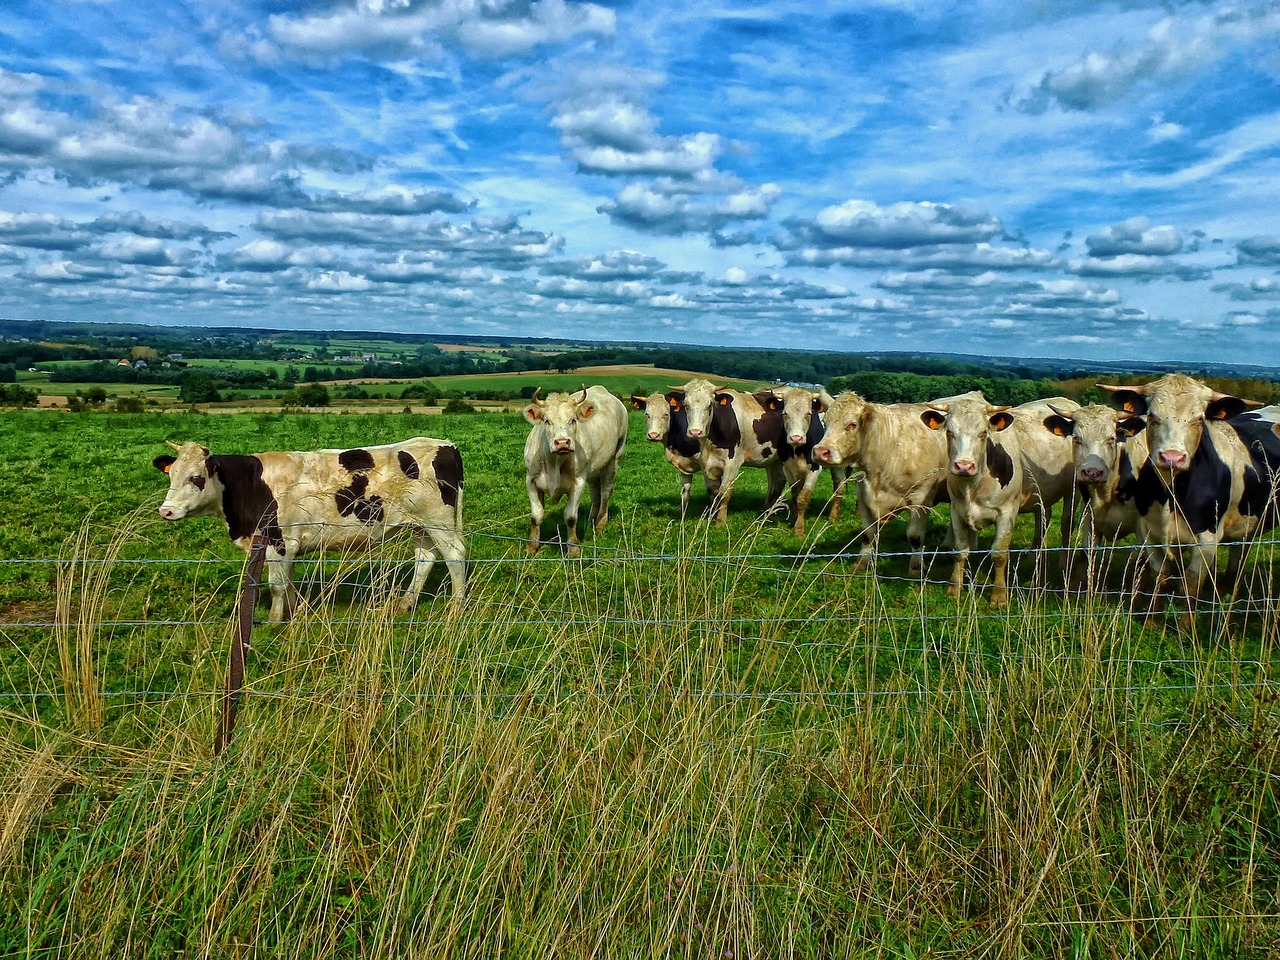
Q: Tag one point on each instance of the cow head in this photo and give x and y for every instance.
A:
(1097, 436)
(657, 409)
(846, 418)
(800, 408)
(558, 415)
(194, 487)
(968, 424)
(698, 397)
(1175, 407)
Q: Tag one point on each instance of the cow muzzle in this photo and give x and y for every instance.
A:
(655, 435)
(796, 439)
(1092, 470)
(562, 445)
(964, 468)
(695, 432)
(167, 512)
(824, 454)
(1171, 460)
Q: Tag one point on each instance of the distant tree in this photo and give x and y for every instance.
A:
(457, 405)
(313, 395)
(95, 396)
(131, 404)
(12, 395)
(198, 388)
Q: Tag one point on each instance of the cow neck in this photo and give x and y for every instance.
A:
(248, 505)
(1201, 493)
(678, 438)
(724, 431)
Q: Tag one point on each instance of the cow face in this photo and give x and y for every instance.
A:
(846, 419)
(1176, 407)
(558, 415)
(799, 408)
(194, 488)
(698, 398)
(968, 424)
(1097, 435)
(657, 414)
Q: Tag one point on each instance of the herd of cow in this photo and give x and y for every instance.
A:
(1183, 467)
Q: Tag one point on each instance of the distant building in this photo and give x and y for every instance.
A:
(124, 363)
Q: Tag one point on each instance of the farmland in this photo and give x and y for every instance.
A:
(690, 742)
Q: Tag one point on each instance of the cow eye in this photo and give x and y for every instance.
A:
(851, 425)
(195, 481)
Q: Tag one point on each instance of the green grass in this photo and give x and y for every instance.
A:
(691, 742)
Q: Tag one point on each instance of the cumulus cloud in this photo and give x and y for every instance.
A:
(1137, 236)
(1134, 265)
(975, 258)
(673, 207)
(863, 225)
(140, 225)
(391, 29)
(71, 272)
(1263, 250)
(1173, 49)
(615, 265)
(42, 231)
(1263, 288)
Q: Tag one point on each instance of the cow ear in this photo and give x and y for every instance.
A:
(1127, 399)
(1130, 427)
(639, 403)
(675, 401)
(164, 463)
(1001, 420)
(933, 419)
(585, 410)
(723, 399)
(1059, 425)
(1224, 408)
(533, 413)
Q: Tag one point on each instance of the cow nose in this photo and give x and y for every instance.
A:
(166, 513)
(1091, 475)
(563, 443)
(964, 468)
(695, 432)
(1174, 459)
(655, 435)
(823, 454)
(796, 438)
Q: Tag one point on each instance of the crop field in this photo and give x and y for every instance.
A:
(689, 742)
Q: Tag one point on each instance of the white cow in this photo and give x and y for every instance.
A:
(577, 440)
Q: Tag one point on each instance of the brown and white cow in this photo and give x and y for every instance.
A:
(665, 422)
(1001, 462)
(734, 429)
(576, 442)
(1206, 479)
(304, 502)
(802, 426)
(901, 465)
(1108, 449)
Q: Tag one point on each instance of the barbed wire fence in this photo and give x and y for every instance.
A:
(1254, 605)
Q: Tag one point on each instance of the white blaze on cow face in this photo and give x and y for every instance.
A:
(559, 415)
(1096, 439)
(968, 424)
(698, 397)
(1176, 407)
(193, 489)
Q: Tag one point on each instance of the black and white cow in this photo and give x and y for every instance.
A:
(666, 422)
(304, 502)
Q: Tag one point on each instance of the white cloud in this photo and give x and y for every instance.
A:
(1135, 235)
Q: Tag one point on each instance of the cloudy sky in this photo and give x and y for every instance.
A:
(1092, 180)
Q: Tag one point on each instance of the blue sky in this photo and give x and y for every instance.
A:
(1092, 180)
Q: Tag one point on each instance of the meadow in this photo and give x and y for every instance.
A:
(688, 742)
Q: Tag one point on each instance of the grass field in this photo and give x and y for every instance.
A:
(690, 742)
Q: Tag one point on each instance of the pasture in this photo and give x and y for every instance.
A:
(688, 742)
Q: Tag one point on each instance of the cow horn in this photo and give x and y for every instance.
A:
(535, 400)
(1062, 413)
(173, 446)
(584, 394)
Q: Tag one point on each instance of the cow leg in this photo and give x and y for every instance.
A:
(777, 484)
(1042, 516)
(283, 592)
(917, 524)
(1201, 567)
(1000, 559)
(961, 539)
(449, 545)
(571, 514)
(728, 477)
(601, 493)
(870, 532)
(839, 477)
(686, 482)
(537, 510)
(803, 495)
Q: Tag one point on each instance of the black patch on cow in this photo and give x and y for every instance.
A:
(248, 503)
(1260, 478)
(816, 431)
(199, 482)
(447, 466)
(999, 463)
(352, 502)
(769, 429)
(1201, 493)
(353, 461)
(725, 432)
(678, 438)
(408, 465)
(1127, 486)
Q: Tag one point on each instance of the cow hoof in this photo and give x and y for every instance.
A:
(574, 550)
(532, 548)
(953, 592)
(863, 565)
(999, 600)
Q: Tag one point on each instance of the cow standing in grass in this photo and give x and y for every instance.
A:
(802, 429)
(1001, 462)
(667, 423)
(304, 502)
(576, 441)
(1209, 476)
(1108, 448)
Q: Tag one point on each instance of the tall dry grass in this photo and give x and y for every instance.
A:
(633, 755)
